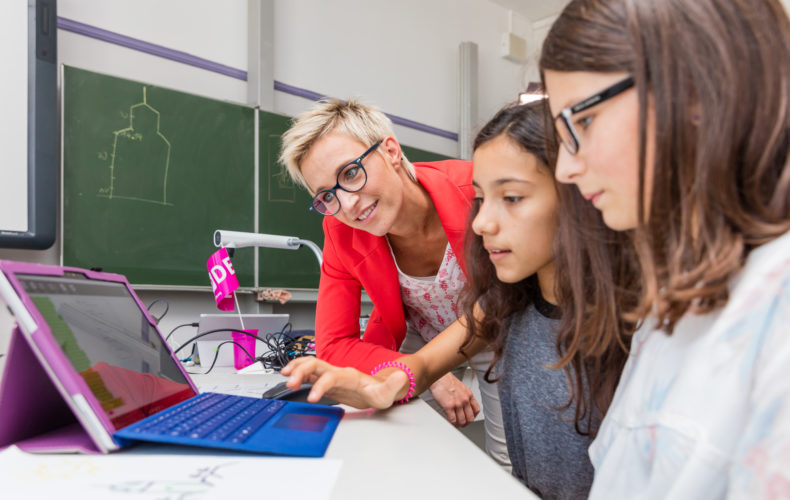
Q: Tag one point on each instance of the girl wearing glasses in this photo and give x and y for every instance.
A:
(396, 230)
(674, 118)
(513, 277)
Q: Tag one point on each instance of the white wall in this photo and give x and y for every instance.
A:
(216, 31)
(402, 59)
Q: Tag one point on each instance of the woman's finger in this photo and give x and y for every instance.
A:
(321, 385)
(460, 416)
(475, 406)
(287, 369)
(305, 371)
(449, 411)
(469, 414)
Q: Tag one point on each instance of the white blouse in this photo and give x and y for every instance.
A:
(431, 302)
(705, 412)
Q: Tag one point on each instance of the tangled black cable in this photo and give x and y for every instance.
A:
(282, 347)
(167, 308)
(209, 332)
(216, 354)
(179, 326)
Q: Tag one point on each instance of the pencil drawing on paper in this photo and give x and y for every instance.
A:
(140, 158)
(66, 469)
(200, 483)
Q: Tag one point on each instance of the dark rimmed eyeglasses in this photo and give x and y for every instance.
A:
(563, 124)
(351, 178)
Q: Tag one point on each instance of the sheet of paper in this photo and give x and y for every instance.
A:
(132, 476)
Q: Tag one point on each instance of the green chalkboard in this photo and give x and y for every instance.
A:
(283, 211)
(148, 175)
(417, 155)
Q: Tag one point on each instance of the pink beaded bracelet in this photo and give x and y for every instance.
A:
(396, 364)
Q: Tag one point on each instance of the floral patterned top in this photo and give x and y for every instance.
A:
(705, 412)
(431, 303)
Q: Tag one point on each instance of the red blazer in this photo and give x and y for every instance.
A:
(356, 260)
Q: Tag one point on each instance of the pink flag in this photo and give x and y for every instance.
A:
(223, 279)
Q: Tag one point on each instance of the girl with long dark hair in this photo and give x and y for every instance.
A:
(511, 297)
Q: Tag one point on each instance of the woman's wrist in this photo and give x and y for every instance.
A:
(387, 367)
(382, 376)
(443, 380)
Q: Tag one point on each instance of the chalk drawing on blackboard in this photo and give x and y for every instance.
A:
(140, 158)
(280, 187)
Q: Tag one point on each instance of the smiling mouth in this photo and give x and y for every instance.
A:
(364, 215)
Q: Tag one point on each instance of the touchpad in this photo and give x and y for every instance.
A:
(302, 422)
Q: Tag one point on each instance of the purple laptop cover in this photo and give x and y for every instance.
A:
(33, 413)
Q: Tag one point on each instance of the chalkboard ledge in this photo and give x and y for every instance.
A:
(298, 295)
(311, 295)
(180, 288)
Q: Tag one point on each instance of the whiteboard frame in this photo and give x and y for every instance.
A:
(42, 131)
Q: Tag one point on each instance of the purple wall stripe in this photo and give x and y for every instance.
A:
(315, 96)
(298, 92)
(183, 57)
(149, 48)
(423, 128)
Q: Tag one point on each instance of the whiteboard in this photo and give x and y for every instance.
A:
(28, 123)
(13, 119)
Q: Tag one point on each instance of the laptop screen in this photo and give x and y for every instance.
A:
(110, 343)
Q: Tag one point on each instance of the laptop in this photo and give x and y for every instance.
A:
(88, 371)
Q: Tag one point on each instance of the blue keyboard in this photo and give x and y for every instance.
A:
(212, 416)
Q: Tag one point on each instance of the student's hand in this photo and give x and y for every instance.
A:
(346, 385)
(456, 400)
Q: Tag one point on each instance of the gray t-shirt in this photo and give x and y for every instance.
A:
(547, 453)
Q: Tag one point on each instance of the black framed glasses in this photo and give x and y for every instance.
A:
(563, 124)
(351, 178)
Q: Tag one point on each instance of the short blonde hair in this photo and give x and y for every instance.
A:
(364, 123)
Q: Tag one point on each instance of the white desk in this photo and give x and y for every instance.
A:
(408, 451)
